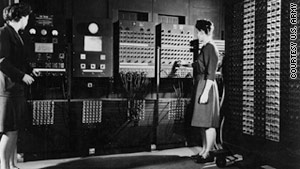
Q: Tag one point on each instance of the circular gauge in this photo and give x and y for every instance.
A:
(44, 32)
(93, 28)
(32, 31)
(54, 32)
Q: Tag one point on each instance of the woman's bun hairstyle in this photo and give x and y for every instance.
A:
(16, 12)
(205, 25)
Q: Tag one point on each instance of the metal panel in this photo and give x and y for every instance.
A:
(132, 5)
(134, 46)
(90, 8)
(47, 44)
(46, 134)
(92, 51)
(117, 132)
(171, 123)
(171, 7)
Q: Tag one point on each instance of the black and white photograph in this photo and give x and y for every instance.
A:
(149, 84)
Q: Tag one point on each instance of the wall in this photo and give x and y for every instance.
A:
(209, 9)
(3, 4)
(98, 8)
(190, 9)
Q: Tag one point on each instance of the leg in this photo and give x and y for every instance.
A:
(210, 140)
(6, 148)
(204, 144)
(13, 155)
(203, 137)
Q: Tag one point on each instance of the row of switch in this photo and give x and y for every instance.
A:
(137, 50)
(43, 113)
(92, 112)
(139, 108)
(248, 67)
(175, 45)
(273, 61)
(92, 66)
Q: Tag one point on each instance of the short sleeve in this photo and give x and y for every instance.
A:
(210, 60)
(196, 66)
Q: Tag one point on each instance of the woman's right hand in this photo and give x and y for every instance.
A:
(177, 63)
(28, 79)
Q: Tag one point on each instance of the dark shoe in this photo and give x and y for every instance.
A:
(202, 160)
(195, 156)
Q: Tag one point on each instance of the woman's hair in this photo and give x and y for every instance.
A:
(16, 12)
(205, 25)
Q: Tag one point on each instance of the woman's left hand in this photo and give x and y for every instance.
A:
(204, 98)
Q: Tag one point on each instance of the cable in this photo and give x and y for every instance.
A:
(223, 120)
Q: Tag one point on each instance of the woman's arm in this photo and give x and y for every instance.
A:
(211, 61)
(204, 96)
(187, 65)
(5, 65)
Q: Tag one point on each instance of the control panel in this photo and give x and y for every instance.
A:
(47, 44)
(134, 46)
(92, 47)
(174, 42)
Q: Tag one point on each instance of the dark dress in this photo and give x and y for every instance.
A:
(13, 66)
(206, 115)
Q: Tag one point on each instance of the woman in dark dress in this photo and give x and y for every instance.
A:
(14, 75)
(206, 95)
